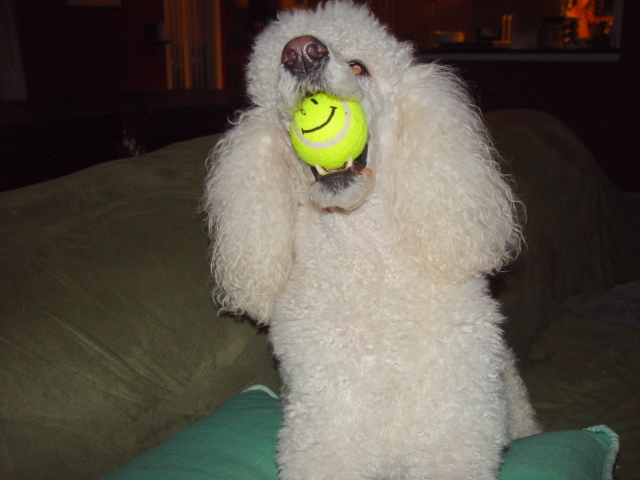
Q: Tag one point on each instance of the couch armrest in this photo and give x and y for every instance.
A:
(110, 339)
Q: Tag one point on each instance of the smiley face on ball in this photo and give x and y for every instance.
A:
(321, 118)
(328, 132)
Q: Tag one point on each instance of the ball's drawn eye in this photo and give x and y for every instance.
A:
(358, 68)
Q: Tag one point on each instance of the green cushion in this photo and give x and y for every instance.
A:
(564, 455)
(238, 441)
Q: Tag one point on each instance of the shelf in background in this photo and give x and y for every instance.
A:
(507, 55)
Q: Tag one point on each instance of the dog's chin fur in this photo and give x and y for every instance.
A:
(372, 279)
(351, 196)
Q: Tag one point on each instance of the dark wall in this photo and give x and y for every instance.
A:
(84, 51)
(597, 101)
(600, 101)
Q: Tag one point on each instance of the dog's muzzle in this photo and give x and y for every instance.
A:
(306, 58)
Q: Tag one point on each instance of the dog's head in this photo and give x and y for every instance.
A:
(429, 162)
(341, 49)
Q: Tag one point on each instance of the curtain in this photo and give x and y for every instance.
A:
(192, 28)
(12, 81)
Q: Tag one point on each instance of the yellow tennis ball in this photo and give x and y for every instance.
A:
(327, 131)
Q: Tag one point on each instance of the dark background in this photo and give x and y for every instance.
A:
(94, 80)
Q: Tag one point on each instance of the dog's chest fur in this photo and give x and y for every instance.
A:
(370, 306)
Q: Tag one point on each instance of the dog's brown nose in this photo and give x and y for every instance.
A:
(304, 54)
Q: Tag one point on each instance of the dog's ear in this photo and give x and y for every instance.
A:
(454, 211)
(250, 199)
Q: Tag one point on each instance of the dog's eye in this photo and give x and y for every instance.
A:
(358, 68)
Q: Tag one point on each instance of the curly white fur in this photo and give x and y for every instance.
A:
(390, 347)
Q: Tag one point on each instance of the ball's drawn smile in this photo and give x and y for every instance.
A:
(300, 132)
(327, 122)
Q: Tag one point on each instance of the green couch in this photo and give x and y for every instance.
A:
(110, 341)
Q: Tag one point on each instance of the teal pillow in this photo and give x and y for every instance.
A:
(238, 441)
(235, 441)
(564, 455)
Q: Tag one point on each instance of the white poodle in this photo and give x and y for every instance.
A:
(372, 278)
